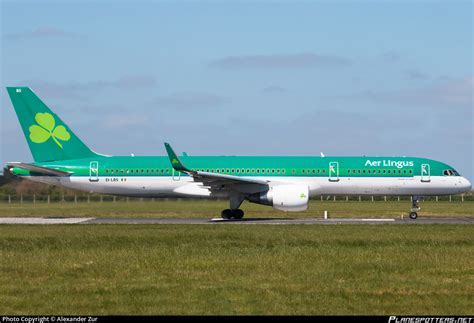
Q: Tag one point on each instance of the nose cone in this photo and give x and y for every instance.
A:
(465, 185)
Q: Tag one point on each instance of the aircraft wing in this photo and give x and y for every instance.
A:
(39, 169)
(215, 180)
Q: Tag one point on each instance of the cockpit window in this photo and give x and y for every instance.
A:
(450, 172)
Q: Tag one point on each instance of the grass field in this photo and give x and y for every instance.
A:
(167, 269)
(209, 209)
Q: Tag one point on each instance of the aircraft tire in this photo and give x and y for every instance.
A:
(238, 214)
(226, 214)
(413, 215)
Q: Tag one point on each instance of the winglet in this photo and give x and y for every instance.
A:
(174, 160)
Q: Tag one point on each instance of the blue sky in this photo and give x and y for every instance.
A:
(247, 78)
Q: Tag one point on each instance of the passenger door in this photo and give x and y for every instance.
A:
(176, 175)
(333, 171)
(425, 172)
(94, 171)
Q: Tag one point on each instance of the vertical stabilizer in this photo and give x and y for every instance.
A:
(48, 137)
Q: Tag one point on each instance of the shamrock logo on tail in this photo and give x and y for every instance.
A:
(46, 128)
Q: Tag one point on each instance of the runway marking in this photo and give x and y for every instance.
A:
(18, 220)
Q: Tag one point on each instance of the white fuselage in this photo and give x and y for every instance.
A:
(185, 186)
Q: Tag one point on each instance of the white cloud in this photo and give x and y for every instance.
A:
(273, 89)
(280, 61)
(42, 33)
(80, 90)
(190, 100)
(446, 93)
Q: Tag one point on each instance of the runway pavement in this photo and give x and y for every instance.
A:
(219, 221)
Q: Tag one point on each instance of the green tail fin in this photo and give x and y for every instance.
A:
(48, 137)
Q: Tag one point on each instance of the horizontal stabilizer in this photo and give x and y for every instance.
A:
(39, 169)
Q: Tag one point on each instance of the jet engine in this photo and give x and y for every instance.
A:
(289, 198)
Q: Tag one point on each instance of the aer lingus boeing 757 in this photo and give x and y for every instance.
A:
(283, 182)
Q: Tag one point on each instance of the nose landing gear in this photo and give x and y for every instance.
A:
(414, 207)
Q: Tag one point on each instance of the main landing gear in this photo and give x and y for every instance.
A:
(235, 199)
(232, 214)
(414, 207)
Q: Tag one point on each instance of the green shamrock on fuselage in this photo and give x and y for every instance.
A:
(46, 128)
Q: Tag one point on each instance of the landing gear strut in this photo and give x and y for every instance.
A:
(414, 207)
(235, 199)
(232, 214)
